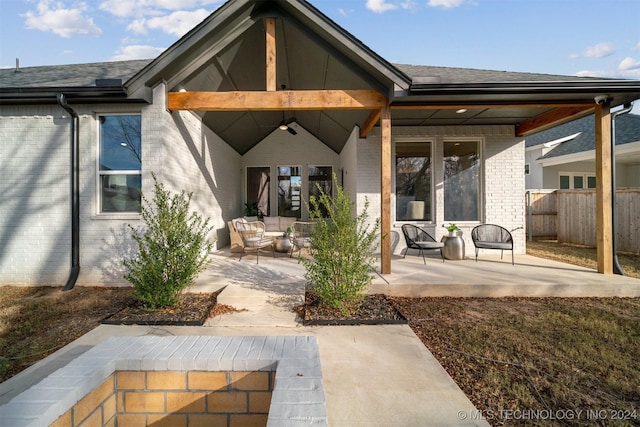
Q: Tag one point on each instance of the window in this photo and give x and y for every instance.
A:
(258, 201)
(320, 176)
(571, 180)
(526, 168)
(461, 181)
(289, 186)
(120, 163)
(413, 181)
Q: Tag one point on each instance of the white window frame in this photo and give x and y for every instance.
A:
(99, 173)
(432, 201)
(481, 188)
(585, 179)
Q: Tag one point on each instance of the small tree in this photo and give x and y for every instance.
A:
(341, 249)
(172, 248)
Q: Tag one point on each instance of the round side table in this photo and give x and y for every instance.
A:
(282, 244)
(453, 247)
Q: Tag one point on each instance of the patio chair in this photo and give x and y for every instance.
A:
(491, 236)
(417, 238)
(301, 237)
(252, 238)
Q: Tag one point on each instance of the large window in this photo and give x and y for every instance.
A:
(461, 181)
(120, 163)
(289, 186)
(413, 181)
(258, 201)
(320, 178)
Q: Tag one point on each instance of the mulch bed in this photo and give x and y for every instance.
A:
(374, 309)
(192, 310)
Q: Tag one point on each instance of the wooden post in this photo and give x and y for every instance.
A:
(604, 218)
(385, 190)
(270, 27)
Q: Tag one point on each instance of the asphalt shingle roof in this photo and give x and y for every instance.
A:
(74, 75)
(627, 130)
(84, 75)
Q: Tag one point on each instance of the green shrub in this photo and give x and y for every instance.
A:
(341, 249)
(172, 249)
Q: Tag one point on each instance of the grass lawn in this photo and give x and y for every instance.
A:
(537, 354)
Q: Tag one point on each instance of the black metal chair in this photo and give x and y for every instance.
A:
(416, 238)
(491, 236)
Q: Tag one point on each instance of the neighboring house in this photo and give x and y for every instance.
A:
(564, 157)
(425, 145)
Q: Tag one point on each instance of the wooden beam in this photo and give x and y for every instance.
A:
(277, 100)
(552, 118)
(369, 123)
(385, 190)
(604, 216)
(270, 29)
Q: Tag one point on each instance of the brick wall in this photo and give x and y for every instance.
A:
(171, 398)
(502, 189)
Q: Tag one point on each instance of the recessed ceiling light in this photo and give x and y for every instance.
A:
(461, 110)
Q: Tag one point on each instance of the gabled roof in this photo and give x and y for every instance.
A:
(226, 52)
(627, 128)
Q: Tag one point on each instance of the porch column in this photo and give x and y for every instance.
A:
(385, 190)
(604, 219)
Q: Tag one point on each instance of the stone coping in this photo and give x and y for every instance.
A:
(297, 398)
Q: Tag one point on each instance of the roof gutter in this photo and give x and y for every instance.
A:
(617, 269)
(75, 193)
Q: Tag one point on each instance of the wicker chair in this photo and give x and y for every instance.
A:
(252, 238)
(416, 238)
(301, 237)
(491, 236)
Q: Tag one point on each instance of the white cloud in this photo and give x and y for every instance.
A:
(447, 4)
(629, 68)
(599, 50)
(380, 6)
(629, 63)
(61, 21)
(137, 52)
(140, 8)
(176, 23)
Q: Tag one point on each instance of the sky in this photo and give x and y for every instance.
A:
(599, 38)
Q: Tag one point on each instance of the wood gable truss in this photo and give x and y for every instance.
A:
(272, 99)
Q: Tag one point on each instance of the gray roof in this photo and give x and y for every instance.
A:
(73, 75)
(472, 75)
(85, 75)
(627, 130)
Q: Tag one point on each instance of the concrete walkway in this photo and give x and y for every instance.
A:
(373, 375)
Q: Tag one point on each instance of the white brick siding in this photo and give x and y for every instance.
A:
(34, 204)
(35, 214)
(502, 191)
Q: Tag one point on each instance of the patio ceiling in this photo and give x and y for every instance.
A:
(226, 53)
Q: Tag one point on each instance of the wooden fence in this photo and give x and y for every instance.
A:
(574, 219)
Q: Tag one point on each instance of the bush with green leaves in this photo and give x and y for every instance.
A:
(341, 249)
(173, 247)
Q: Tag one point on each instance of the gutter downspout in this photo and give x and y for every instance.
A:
(75, 193)
(617, 269)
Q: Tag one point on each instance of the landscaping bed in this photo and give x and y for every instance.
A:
(371, 310)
